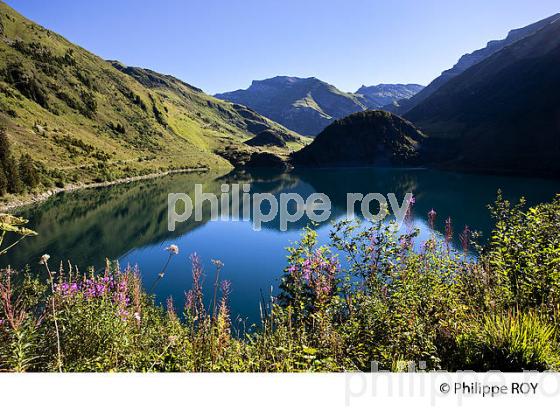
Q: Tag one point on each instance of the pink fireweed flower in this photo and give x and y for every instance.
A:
(67, 289)
(408, 213)
(189, 300)
(226, 287)
(448, 231)
(172, 249)
(318, 272)
(465, 238)
(432, 218)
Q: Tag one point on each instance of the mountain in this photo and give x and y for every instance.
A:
(304, 105)
(467, 61)
(501, 114)
(377, 96)
(84, 119)
(364, 138)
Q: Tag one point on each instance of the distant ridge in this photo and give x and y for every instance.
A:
(378, 96)
(467, 61)
(304, 105)
(502, 114)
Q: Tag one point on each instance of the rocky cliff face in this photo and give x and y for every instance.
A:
(377, 96)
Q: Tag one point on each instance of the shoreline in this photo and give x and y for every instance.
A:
(40, 197)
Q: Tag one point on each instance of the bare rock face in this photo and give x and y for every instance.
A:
(377, 96)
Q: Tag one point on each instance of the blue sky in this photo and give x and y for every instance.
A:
(221, 45)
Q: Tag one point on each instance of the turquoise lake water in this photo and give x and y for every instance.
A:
(128, 223)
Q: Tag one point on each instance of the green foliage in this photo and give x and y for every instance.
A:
(372, 297)
(27, 84)
(524, 253)
(3, 182)
(8, 165)
(15, 226)
(15, 176)
(89, 104)
(512, 341)
(28, 172)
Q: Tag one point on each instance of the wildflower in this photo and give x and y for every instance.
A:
(44, 259)
(432, 218)
(408, 215)
(172, 249)
(189, 304)
(122, 313)
(218, 263)
(465, 238)
(448, 231)
(226, 287)
(137, 316)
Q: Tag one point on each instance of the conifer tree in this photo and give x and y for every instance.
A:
(27, 171)
(3, 182)
(9, 165)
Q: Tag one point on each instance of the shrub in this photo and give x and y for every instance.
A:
(513, 341)
(27, 84)
(3, 182)
(524, 253)
(28, 172)
(8, 165)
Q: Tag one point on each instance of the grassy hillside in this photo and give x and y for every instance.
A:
(84, 119)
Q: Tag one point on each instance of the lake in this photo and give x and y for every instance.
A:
(128, 223)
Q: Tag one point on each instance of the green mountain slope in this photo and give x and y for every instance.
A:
(501, 114)
(467, 61)
(364, 138)
(305, 105)
(85, 119)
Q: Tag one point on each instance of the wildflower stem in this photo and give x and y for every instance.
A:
(59, 350)
(161, 274)
(5, 250)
